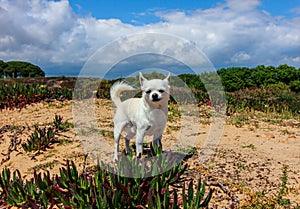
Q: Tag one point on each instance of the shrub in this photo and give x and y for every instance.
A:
(18, 95)
(40, 139)
(102, 189)
(295, 86)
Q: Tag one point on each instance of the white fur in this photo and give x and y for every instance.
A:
(141, 116)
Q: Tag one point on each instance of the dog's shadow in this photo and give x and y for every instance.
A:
(153, 161)
(154, 151)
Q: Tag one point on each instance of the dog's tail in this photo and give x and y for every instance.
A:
(117, 89)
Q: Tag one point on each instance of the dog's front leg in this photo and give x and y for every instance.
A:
(127, 141)
(139, 141)
(157, 141)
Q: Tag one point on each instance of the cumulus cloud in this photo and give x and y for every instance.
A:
(50, 33)
(232, 36)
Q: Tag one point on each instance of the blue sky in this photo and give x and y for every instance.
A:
(137, 12)
(61, 36)
(140, 12)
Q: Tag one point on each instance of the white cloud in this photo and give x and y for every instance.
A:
(242, 5)
(240, 57)
(233, 33)
(226, 31)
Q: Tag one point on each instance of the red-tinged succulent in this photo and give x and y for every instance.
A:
(99, 189)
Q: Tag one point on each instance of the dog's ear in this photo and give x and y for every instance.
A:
(142, 79)
(168, 77)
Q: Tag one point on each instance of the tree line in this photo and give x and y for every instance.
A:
(16, 69)
(282, 77)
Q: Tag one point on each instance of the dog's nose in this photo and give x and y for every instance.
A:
(155, 96)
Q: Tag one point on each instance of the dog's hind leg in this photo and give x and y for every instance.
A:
(117, 134)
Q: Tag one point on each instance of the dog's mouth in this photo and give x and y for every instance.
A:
(156, 99)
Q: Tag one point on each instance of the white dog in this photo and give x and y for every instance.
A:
(141, 116)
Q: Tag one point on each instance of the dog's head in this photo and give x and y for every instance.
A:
(155, 90)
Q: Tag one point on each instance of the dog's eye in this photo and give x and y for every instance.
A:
(161, 91)
(148, 91)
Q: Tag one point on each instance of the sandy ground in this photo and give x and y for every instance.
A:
(243, 163)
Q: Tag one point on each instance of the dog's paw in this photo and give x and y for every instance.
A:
(128, 151)
(115, 160)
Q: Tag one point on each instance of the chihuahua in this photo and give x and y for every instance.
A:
(141, 116)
